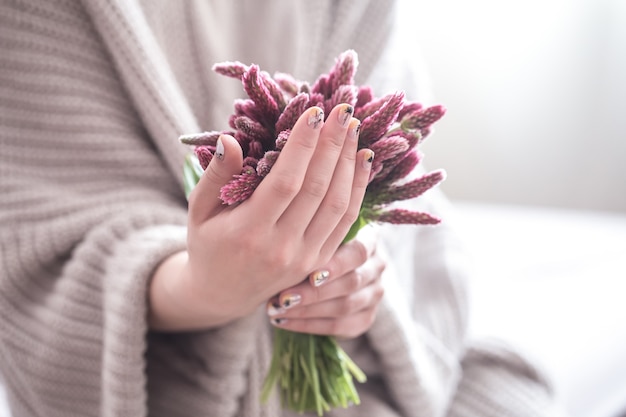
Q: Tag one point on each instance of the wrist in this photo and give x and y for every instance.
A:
(174, 303)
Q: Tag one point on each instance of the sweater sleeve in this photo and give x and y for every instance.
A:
(420, 330)
(87, 212)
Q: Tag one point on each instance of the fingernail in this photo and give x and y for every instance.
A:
(274, 309)
(319, 277)
(219, 149)
(345, 114)
(278, 322)
(355, 127)
(368, 157)
(290, 300)
(316, 117)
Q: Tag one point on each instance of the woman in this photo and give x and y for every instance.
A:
(117, 300)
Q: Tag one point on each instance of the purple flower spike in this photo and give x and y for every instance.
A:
(389, 147)
(364, 95)
(409, 108)
(423, 118)
(386, 149)
(249, 162)
(241, 187)
(204, 154)
(398, 169)
(253, 129)
(292, 112)
(411, 189)
(281, 140)
(231, 69)
(402, 216)
(246, 107)
(274, 89)
(266, 163)
(201, 139)
(375, 126)
(344, 70)
(255, 149)
(256, 90)
(414, 137)
(287, 83)
(316, 99)
(343, 94)
(321, 86)
(363, 111)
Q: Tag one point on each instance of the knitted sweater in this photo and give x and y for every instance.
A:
(93, 96)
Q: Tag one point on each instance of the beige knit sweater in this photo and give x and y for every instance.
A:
(93, 96)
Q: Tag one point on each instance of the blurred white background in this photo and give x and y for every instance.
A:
(534, 143)
(536, 98)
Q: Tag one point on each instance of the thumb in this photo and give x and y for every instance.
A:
(204, 200)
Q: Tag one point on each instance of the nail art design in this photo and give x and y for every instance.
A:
(368, 158)
(274, 309)
(345, 115)
(316, 118)
(319, 277)
(354, 131)
(291, 300)
(219, 149)
(278, 322)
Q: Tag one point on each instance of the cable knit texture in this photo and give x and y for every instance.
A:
(93, 96)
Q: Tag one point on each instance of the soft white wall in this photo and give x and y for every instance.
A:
(536, 98)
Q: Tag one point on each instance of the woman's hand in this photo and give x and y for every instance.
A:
(340, 299)
(239, 256)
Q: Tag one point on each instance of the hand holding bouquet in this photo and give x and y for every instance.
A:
(312, 372)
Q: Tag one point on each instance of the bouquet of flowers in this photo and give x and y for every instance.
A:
(312, 372)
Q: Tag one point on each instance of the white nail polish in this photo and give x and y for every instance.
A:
(316, 118)
(219, 149)
(319, 277)
(291, 300)
(273, 310)
(368, 158)
(345, 115)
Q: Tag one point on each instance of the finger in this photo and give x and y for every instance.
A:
(303, 295)
(345, 327)
(348, 257)
(337, 199)
(204, 198)
(321, 172)
(285, 179)
(361, 179)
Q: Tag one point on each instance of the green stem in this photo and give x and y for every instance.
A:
(312, 372)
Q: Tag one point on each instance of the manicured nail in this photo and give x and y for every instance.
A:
(345, 114)
(290, 300)
(319, 277)
(278, 322)
(273, 309)
(368, 157)
(354, 128)
(316, 117)
(219, 149)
